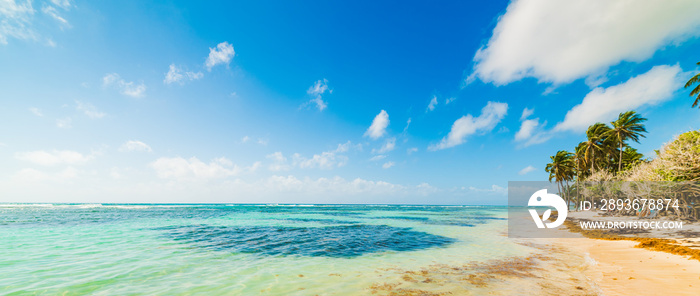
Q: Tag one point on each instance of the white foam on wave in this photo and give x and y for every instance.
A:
(38, 205)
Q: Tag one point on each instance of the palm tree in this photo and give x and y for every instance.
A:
(595, 138)
(628, 126)
(696, 91)
(561, 169)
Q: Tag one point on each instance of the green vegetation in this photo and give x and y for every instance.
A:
(604, 166)
(696, 91)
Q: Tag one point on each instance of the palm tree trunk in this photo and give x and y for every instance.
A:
(619, 167)
(593, 163)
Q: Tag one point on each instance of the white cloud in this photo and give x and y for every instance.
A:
(410, 151)
(36, 111)
(133, 145)
(279, 162)
(245, 139)
(388, 164)
(177, 75)
(389, 145)
(54, 157)
(51, 11)
(65, 4)
(526, 129)
(379, 125)
(377, 157)
(450, 100)
(126, 88)
(495, 189)
(604, 104)
(18, 18)
(319, 88)
(64, 123)
(526, 113)
(468, 125)
(561, 41)
(89, 110)
(532, 132)
(221, 54)
(320, 103)
(408, 123)
(15, 21)
(316, 91)
(432, 104)
(526, 170)
(193, 168)
(325, 160)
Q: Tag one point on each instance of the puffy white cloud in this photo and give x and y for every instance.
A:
(55, 157)
(432, 104)
(126, 88)
(389, 145)
(378, 127)
(325, 160)
(388, 164)
(316, 91)
(133, 145)
(526, 113)
(604, 104)
(319, 88)
(526, 170)
(468, 125)
(64, 122)
(561, 41)
(193, 168)
(279, 162)
(532, 132)
(221, 54)
(177, 75)
(526, 129)
(89, 110)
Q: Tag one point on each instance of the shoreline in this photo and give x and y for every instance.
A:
(618, 267)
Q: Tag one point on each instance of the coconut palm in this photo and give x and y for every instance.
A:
(696, 91)
(628, 126)
(595, 141)
(562, 168)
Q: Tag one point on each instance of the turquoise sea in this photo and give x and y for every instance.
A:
(124, 249)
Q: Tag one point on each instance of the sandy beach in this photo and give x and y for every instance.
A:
(618, 268)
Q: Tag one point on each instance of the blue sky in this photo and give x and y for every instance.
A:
(324, 101)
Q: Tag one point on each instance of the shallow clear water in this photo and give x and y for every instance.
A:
(236, 249)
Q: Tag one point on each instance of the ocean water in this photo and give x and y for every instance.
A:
(113, 249)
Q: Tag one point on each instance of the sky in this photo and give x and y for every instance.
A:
(400, 102)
